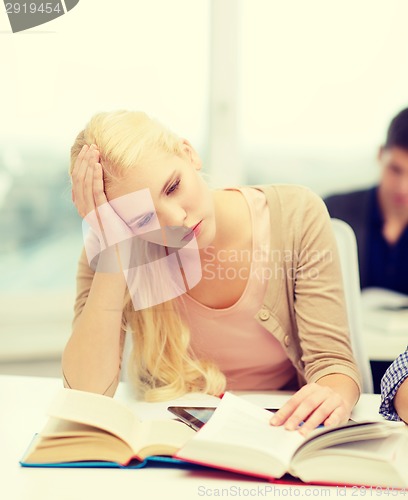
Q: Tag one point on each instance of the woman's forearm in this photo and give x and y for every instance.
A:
(91, 358)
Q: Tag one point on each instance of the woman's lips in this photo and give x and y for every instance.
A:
(197, 228)
(194, 230)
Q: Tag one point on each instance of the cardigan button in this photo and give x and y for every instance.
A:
(264, 314)
(286, 340)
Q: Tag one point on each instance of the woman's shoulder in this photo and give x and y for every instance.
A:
(290, 196)
(284, 190)
(298, 212)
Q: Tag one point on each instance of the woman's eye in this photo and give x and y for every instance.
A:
(146, 219)
(173, 187)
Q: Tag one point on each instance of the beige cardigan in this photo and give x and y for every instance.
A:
(304, 305)
(306, 309)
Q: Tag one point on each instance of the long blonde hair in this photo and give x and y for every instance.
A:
(161, 364)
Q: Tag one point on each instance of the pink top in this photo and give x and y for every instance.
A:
(249, 356)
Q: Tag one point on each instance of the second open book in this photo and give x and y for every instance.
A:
(239, 438)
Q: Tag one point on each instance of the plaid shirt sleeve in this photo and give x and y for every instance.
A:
(392, 379)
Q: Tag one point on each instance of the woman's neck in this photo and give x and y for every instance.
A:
(233, 220)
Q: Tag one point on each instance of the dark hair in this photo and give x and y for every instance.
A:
(397, 134)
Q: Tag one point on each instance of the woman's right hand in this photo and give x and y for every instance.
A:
(103, 227)
(82, 177)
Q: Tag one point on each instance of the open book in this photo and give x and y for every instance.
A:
(238, 437)
(86, 427)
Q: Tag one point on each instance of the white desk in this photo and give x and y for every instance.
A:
(23, 403)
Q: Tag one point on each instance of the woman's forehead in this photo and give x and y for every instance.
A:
(134, 181)
(151, 175)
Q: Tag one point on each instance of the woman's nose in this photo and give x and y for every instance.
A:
(176, 217)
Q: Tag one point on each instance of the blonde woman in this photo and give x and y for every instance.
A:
(267, 311)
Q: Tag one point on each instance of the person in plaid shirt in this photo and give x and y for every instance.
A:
(394, 390)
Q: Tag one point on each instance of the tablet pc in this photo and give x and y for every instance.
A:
(196, 416)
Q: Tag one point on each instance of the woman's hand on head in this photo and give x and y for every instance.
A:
(312, 406)
(87, 181)
(89, 197)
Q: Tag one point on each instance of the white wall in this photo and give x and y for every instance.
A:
(105, 55)
(319, 82)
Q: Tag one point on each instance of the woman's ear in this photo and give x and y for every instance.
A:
(191, 154)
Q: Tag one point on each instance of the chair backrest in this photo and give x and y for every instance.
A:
(347, 246)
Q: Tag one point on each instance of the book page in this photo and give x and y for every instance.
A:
(55, 427)
(96, 410)
(350, 432)
(376, 462)
(237, 421)
(160, 437)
